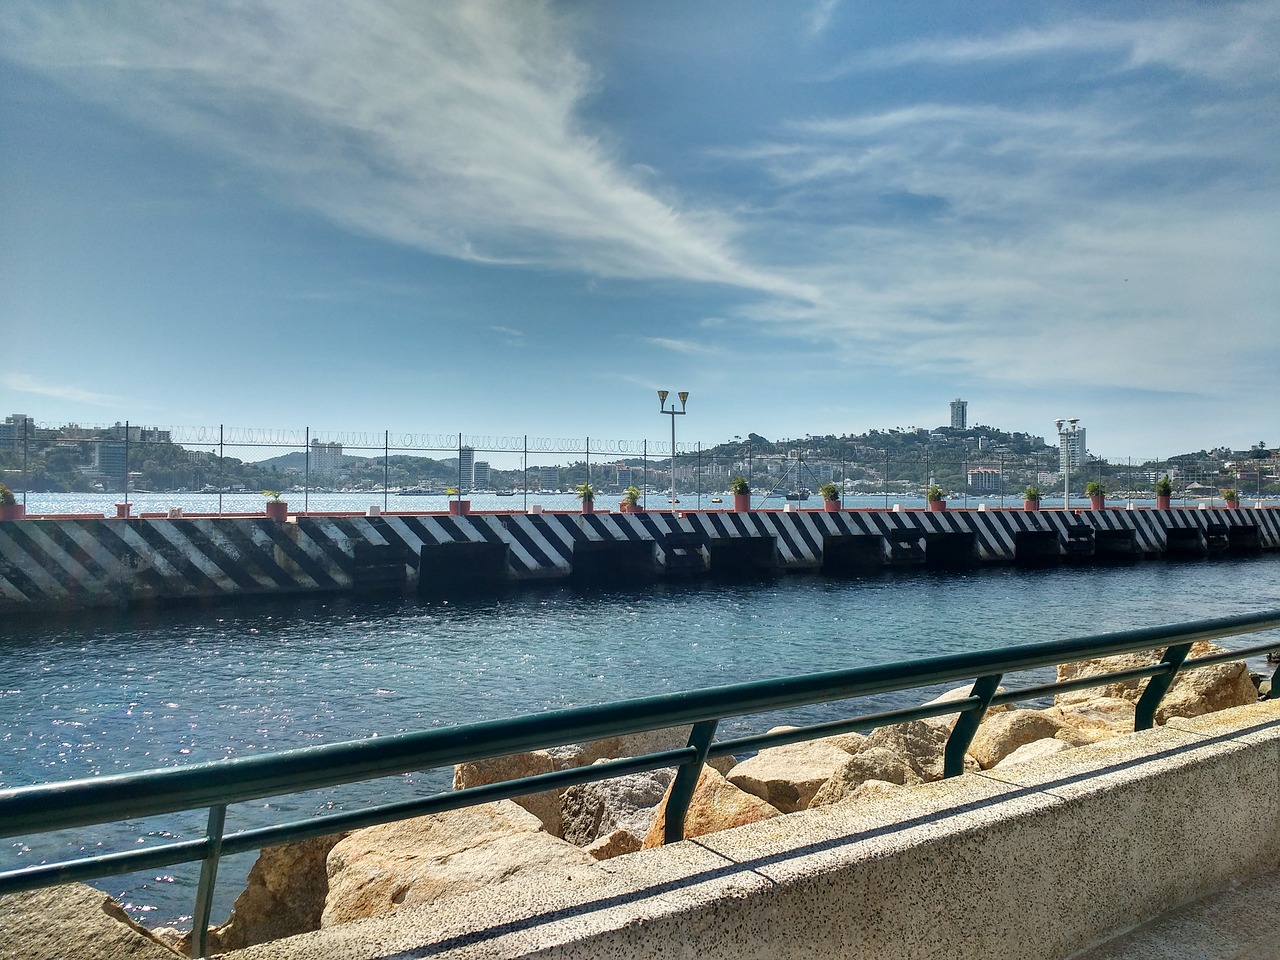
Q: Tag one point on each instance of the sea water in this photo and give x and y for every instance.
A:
(106, 692)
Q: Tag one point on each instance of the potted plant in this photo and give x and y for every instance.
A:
(1232, 497)
(10, 508)
(936, 497)
(457, 506)
(630, 497)
(587, 494)
(830, 494)
(1096, 491)
(1164, 491)
(277, 509)
(1031, 498)
(741, 491)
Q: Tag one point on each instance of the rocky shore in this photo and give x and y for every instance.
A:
(320, 883)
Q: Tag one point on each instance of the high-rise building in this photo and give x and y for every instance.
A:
(1071, 449)
(480, 475)
(326, 458)
(15, 429)
(549, 478)
(959, 414)
(466, 464)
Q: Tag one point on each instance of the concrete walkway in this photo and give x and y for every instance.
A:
(1238, 923)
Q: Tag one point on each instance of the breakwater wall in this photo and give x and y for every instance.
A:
(60, 562)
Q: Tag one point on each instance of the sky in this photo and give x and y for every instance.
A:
(526, 218)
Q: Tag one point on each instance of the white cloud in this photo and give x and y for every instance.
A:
(451, 127)
(24, 383)
(680, 346)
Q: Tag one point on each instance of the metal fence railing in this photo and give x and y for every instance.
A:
(126, 457)
(31, 810)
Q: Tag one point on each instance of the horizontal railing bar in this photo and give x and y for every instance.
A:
(254, 839)
(831, 728)
(101, 865)
(83, 802)
(1080, 683)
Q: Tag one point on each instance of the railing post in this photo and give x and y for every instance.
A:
(687, 779)
(208, 876)
(984, 688)
(1144, 716)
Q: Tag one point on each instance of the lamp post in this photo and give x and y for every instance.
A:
(673, 413)
(1065, 437)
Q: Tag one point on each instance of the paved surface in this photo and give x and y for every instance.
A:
(1235, 924)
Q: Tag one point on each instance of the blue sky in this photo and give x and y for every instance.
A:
(526, 218)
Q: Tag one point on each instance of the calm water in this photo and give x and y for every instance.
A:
(129, 691)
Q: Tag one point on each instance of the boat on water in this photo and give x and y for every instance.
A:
(717, 499)
(505, 493)
(420, 492)
(800, 494)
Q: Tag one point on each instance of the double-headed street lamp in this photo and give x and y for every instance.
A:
(673, 413)
(1064, 451)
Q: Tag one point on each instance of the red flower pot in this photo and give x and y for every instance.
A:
(1098, 501)
(277, 510)
(122, 509)
(1232, 504)
(831, 506)
(937, 506)
(1030, 506)
(12, 511)
(588, 506)
(1162, 503)
(741, 503)
(459, 508)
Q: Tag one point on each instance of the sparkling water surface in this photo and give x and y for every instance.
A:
(111, 691)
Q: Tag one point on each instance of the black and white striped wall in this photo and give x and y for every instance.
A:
(67, 562)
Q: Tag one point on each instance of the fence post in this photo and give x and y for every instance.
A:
(984, 688)
(306, 471)
(208, 877)
(1145, 713)
(686, 780)
(386, 466)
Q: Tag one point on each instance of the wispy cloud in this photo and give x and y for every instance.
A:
(1221, 41)
(681, 346)
(24, 383)
(452, 126)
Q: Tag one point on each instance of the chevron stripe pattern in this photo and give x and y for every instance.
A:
(53, 563)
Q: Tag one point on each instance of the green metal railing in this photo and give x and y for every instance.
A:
(26, 811)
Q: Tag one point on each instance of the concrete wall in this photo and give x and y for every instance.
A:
(1033, 864)
(72, 561)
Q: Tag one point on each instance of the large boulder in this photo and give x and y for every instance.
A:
(625, 745)
(1003, 733)
(284, 895)
(788, 776)
(871, 765)
(921, 743)
(1035, 750)
(614, 845)
(545, 805)
(1193, 693)
(716, 805)
(1090, 721)
(595, 810)
(73, 920)
(381, 869)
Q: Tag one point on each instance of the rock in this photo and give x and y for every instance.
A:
(285, 895)
(614, 845)
(1094, 720)
(1003, 733)
(380, 869)
(1193, 693)
(873, 764)
(594, 810)
(921, 743)
(788, 776)
(1032, 751)
(73, 920)
(716, 805)
(627, 745)
(850, 743)
(544, 805)
(959, 693)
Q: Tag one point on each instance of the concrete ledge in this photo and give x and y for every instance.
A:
(1037, 862)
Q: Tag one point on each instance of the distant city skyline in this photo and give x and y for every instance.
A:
(501, 219)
